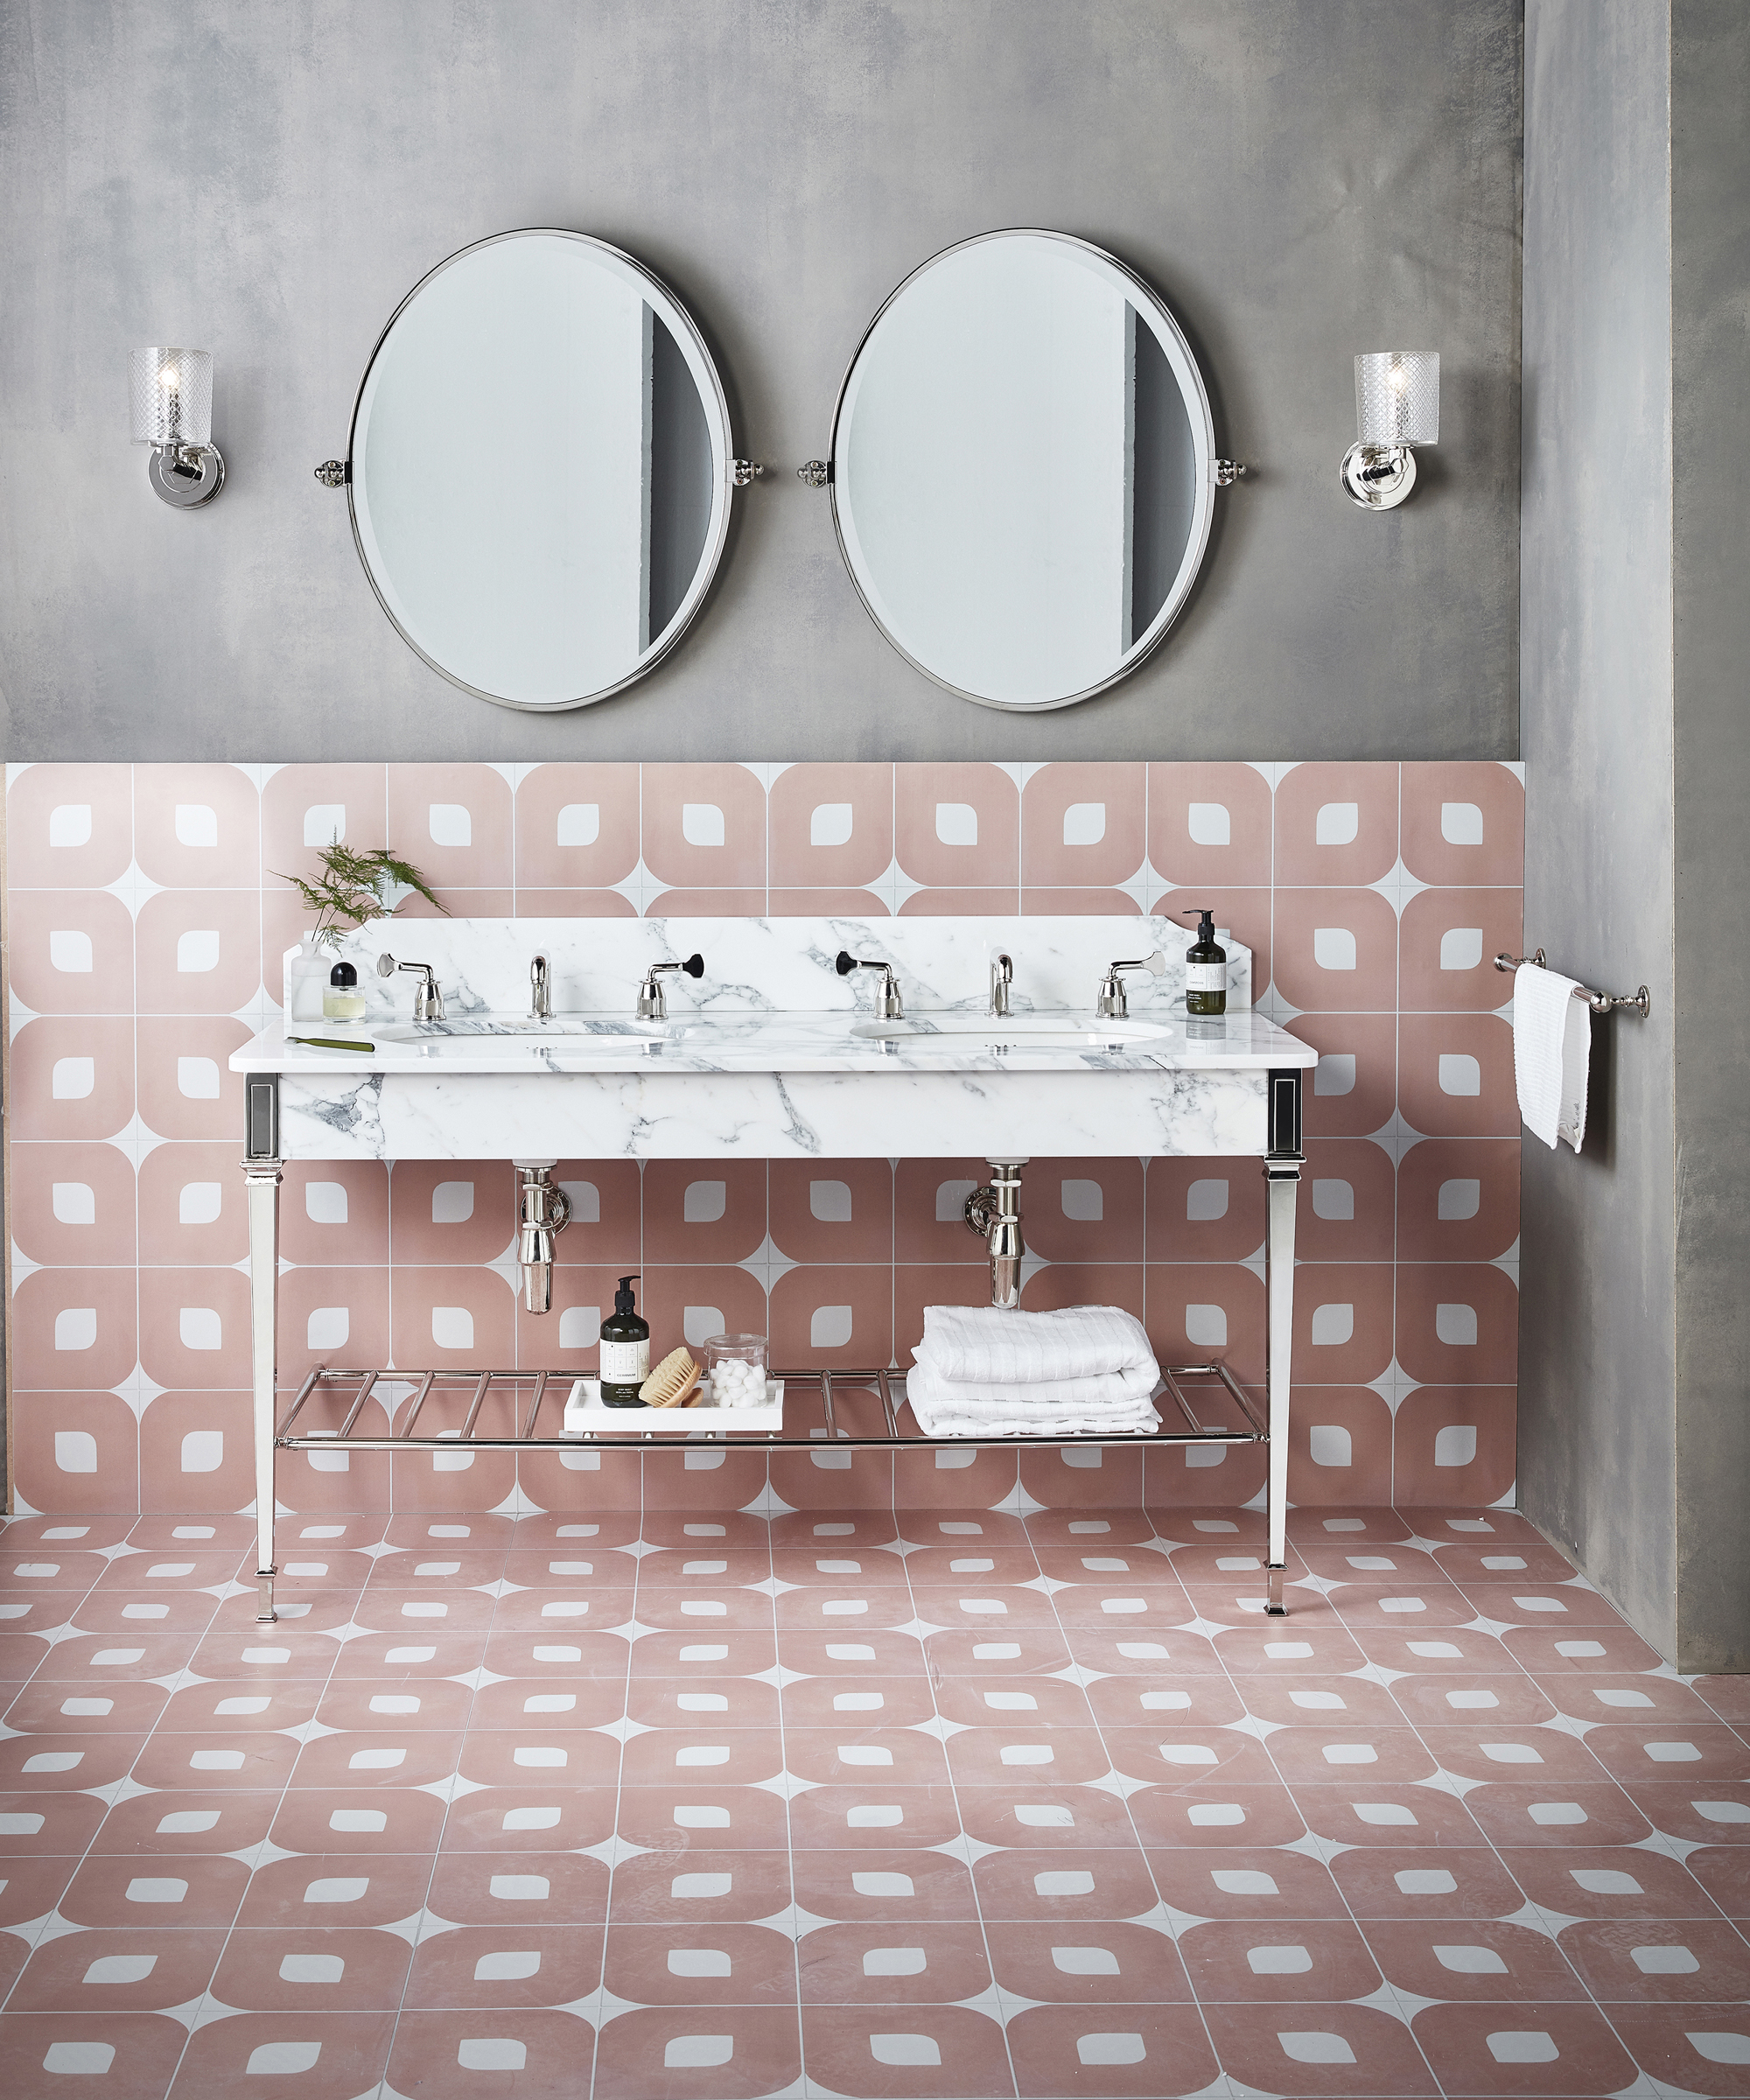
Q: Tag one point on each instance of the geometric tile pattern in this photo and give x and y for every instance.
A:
(147, 917)
(913, 1801)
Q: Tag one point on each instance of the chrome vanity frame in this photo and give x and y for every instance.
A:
(1284, 1157)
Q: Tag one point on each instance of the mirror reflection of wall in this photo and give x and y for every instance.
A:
(1021, 469)
(540, 469)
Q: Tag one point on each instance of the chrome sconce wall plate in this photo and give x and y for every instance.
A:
(1398, 407)
(170, 402)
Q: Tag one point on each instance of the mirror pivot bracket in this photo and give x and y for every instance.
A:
(815, 472)
(1225, 472)
(744, 472)
(335, 473)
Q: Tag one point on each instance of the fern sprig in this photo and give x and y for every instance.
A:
(350, 891)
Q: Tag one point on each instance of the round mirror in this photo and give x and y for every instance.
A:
(1022, 469)
(540, 469)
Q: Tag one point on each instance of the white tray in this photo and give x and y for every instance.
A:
(585, 1416)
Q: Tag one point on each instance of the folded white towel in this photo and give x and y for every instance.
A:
(941, 1412)
(1107, 1392)
(980, 1345)
(1552, 1045)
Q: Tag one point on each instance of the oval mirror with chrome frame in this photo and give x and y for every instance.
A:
(540, 469)
(1023, 469)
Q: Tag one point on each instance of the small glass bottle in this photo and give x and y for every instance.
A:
(1206, 967)
(625, 1350)
(343, 1001)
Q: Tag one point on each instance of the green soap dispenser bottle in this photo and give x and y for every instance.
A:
(625, 1350)
(1205, 969)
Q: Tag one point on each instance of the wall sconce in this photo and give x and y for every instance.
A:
(170, 398)
(1398, 405)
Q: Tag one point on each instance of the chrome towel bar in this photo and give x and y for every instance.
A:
(1600, 1002)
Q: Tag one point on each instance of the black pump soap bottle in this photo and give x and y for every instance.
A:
(625, 1350)
(1205, 969)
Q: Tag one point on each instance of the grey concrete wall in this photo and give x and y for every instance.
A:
(1711, 385)
(1597, 1334)
(1301, 181)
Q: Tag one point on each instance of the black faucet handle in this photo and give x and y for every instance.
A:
(694, 966)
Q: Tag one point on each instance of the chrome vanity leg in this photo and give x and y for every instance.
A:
(1282, 1163)
(261, 1173)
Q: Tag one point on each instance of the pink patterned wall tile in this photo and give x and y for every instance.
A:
(574, 903)
(196, 826)
(1458, 1200)
(1083, 823)
(198, 951)
(957, 826)
(74, 1450)
(452, 1210)
(825, 904)
(1339, 1447)
(1084, 1210)
(1194, 1477)
(70, 951)
(567, 1337)
(1098, 1477)
(455, 904)
(1337, 823)
(74, 1329)
(187, 1086)
(573, 1482)
(1209, 824)
(1346, 1202)
(192, 1206)
(961, 904)
(831, 826)
(1078, 904)
(1457, 1323)
(453, 823)
(1335, 951)
(1204, 1210)
(688, 1303)
(1354, 1086)
(73, 1205)
(334, 1211)
(194, 1327)
(1452, 1445)
(452, 1318)
(1455, 1075)
(69, 826)
(197, 1452)
(830, 1316)
(851, 1480)
(929, 1210)
(1244, 913)
(333, 1316)
(1342, 1321)
(960, 1488)
(576, 826)
(1464, 822)
(607, 1222)
(305, 807)
(706, 904)
(683, 1480)
(1196, 1312)
(1448, 944)
(72, 1079)
(704, 1210)
(832, 1210)
(705, 826)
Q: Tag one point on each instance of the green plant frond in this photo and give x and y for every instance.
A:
(350, 891)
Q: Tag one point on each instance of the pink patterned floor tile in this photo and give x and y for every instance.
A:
(118, 1969)
(871, 1651)
(536, 1888)
(38, 2050)
(1008, 1651)
(1292, 1700)
(505, 1966)
(33, 1887)
(150, 1824)
(343, 1890)
(703, 1651)
(874, 1885)
(178, 1889)
(701, 2051)
(1033, 1888)
(327, 1968)
(851, 1751)
(1409, 1881)
(572, 1760)
(909, 2054)
(49, 1706)
(862, 1965)
(1042, 1814)
(384, 1756)
(410, 1653)
(1556, 1812)
(1020, 1748)
(1602, 1883)
(1103, 2051)
(1488, 1960)
(1348, 2052)
(876, 1816)
(1318, 1959)
(1207, 1813)
(59, 1760)
(334, 2054)
(863, 1700)
(1107, 1960)
(701, 1809)
(1260, 1885)
(1375, 1811)
(1552, 2048)
(42, 1825)
(684, 1965)
(1435, 1702)
(703, 1886)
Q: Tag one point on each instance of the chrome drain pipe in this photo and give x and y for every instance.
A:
(994, 1213)
(541, 1210)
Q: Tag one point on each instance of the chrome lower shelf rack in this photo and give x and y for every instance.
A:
(855, 1410)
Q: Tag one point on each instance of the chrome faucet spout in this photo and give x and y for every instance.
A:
(1002, 976)
(541, 990)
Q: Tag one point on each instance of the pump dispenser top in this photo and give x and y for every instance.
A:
(1206, 966)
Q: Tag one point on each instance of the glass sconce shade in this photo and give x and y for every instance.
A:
(170, 397)
(1397, 397)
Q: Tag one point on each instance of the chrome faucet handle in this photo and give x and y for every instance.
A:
(1002, 975)
(1112, 1004)
(428, 1000)
(888, 1004)
(653, 1001)
(541, 990)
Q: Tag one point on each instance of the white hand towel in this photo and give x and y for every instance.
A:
(1109, 1391)
(943, 1411)
(984, 1346)
(1552, 1045)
